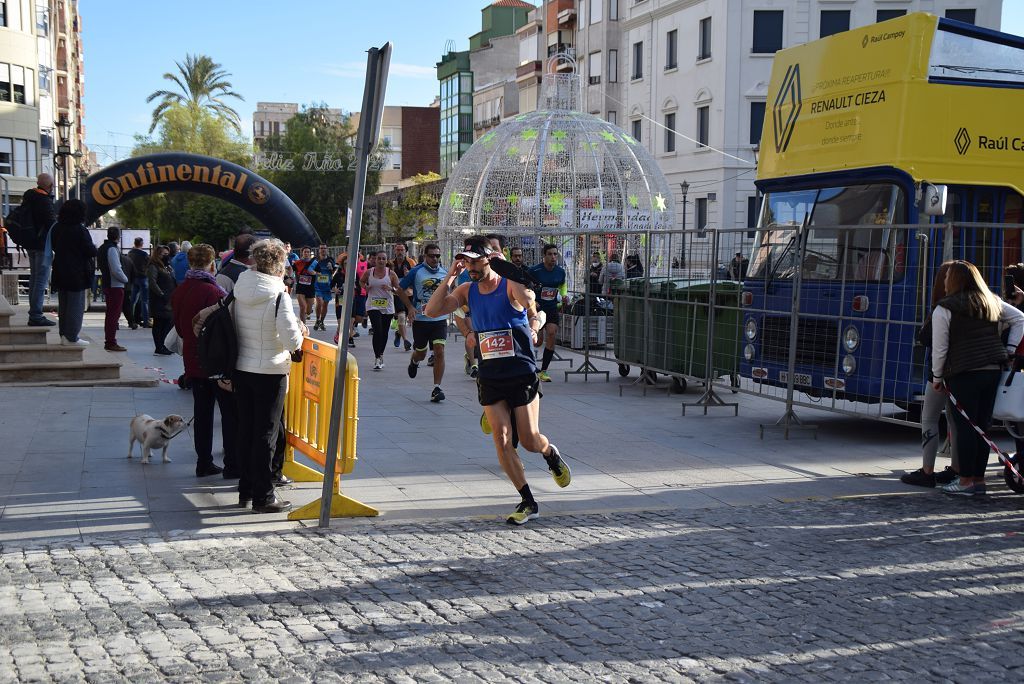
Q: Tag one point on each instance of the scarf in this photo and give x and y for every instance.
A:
(199, 274)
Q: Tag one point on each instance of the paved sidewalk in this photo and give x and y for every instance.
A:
(914, 589)
(66, 473)
(686, 549)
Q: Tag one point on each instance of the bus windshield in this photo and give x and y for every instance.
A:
(830, 253)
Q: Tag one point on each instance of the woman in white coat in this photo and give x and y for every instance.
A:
(268, 332)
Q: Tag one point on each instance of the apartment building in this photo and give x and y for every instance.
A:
(42, 83)
(271, 119)
(409, 134)
(700, 69)
(484, 76)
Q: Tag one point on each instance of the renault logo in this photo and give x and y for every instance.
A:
(962, 141)
(786, 109)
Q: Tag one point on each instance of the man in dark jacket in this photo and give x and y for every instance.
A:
(140, 283)
(43, 217)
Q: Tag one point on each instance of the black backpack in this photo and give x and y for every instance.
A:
(24, 234)
(217, 343)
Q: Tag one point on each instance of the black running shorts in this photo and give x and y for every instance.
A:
(517, 391)
(428, 333)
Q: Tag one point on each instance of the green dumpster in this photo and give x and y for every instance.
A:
(628, 308)
(689, 312)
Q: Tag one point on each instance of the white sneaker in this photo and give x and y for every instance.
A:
(65, 342)
(378, 363)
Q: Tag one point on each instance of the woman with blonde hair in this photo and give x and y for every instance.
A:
(967, 355)
(268, 332)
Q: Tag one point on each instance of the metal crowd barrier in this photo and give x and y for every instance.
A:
(307, 417)
(819, 316)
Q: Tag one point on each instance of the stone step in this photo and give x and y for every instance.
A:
(113, 382)
(61, 371)
(39, 354)
(24, 334)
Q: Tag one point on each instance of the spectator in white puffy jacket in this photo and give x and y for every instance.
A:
(268, 332)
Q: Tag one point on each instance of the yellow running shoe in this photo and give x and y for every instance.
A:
(485, 425)
(559, 470)
(524, 513)
(544, 377)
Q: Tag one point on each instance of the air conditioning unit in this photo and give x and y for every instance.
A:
(594, 80)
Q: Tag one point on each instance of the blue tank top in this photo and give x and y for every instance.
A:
(503, 334)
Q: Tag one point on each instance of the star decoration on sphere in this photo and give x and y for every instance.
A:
(556, 147)
(488, 206)
(513, 199)
(529, 134)
(488, 138)
(512, 151)
(559, 135)
(634, 201)
(455, 200)
(628, 139)
(659, 202)
(597, 205)
(608, 135)
(556, 201)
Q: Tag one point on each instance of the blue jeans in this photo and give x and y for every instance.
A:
(38, 279)
(70, 311)
(140, 290)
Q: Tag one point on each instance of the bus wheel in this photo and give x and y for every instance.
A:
(1012, 481)
(623, 370)
(678, 385)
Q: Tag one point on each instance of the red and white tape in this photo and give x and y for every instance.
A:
(1004, 457)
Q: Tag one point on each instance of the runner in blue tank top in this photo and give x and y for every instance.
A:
(505, 324)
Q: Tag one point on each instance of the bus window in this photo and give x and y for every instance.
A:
(831, 252)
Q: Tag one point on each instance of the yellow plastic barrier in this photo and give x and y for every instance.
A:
(307, 417)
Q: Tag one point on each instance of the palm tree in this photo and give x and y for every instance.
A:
(203, 85)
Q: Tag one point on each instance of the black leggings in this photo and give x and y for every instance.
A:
(381, 323)
(161, 327)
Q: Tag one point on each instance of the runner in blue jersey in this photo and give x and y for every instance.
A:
(427, 332)
(507, 384)
(551, 293)
(323, 268)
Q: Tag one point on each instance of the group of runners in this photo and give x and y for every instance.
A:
(501, 317)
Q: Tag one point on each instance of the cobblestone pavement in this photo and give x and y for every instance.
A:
(916, 587)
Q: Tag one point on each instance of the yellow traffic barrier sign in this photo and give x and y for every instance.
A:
(307, 418)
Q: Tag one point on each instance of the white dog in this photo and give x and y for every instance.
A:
(151, 433)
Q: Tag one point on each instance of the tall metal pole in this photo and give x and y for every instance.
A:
(377, 62)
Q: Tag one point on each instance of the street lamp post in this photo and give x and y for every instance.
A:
(78, 173)
(63, 148)
(684, 187)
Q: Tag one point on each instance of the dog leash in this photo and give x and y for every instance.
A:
(183, 428)
(1004, 457)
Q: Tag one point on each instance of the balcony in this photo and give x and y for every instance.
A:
(561, 48)
(567, 17)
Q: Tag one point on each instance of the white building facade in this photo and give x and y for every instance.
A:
(701, 68)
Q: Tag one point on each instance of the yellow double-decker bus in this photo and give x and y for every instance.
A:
(886, 149)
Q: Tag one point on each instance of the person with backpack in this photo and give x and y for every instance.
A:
(239, 263)
(197, 291)
(267, 332)
(114, 282)
(41, 215)
(73, 266)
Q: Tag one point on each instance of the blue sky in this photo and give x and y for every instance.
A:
(286, 52)
(275, 51)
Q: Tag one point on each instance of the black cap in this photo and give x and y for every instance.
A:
(475, 247)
